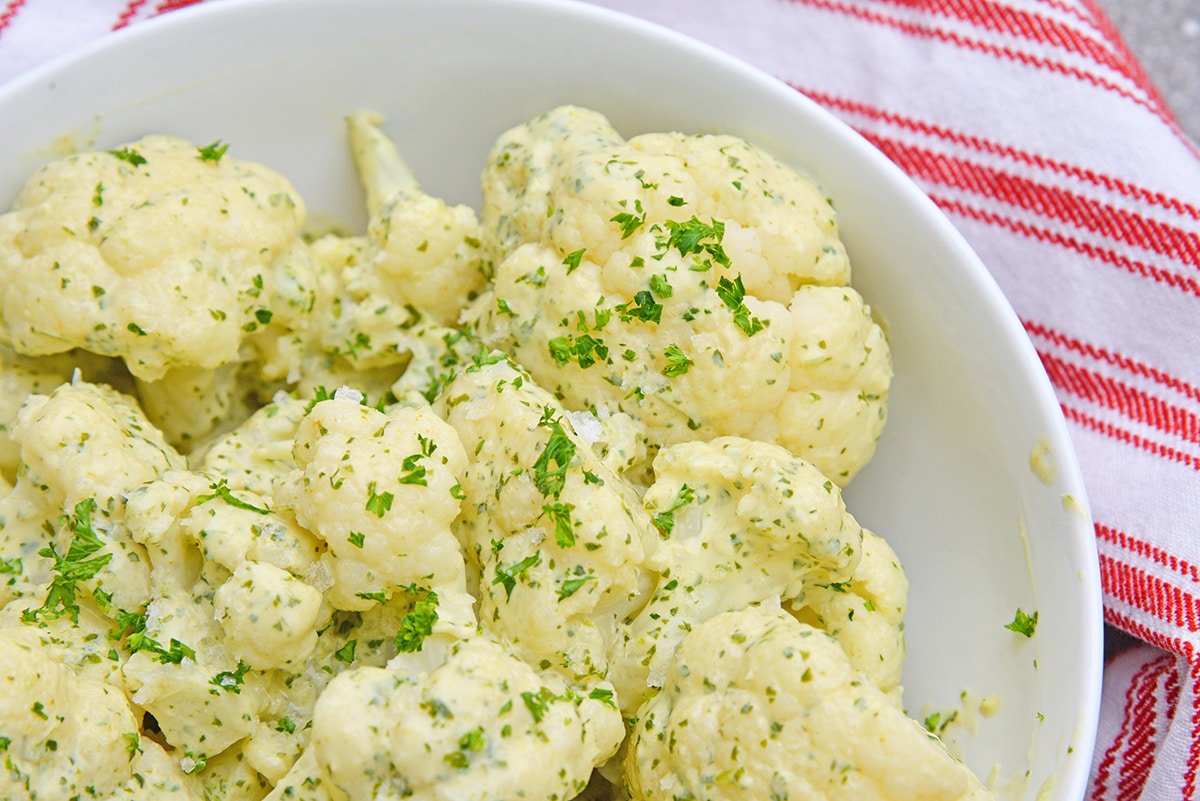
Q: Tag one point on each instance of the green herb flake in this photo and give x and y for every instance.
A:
(572, 585)
(418, 623)
(538, 703)
(678, 362)
(573, 259)
(507, 577)
(131, 157)
(175, 654)
(558, 451)
(693, 237)
(80, 562)
(212, 152)
(564, 527)
(221, 490)
(230, 680)
(629, 223)
(584, 349)
(664, 521)
(346, 652)
(660, 286)
(378, 503)
(732, 294)
(1023, 623)
(643, 307)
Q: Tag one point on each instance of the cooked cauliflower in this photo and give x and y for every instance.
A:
(412, 272)
(692, 281)
(482, 726)
(757, 705)
(83, 447)
(560, 541)
(543, 503)
(161, 253)
(742, 521)
(865, 614)
(64, 737)
(379, 489)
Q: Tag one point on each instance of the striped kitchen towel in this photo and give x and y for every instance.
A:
(1038, 133)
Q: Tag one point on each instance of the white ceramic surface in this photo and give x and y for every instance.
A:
(951, 486)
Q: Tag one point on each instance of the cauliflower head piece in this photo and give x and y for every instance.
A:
(481, 726)
(741, 522)
(379, 489)
(559, 541)
(161, 252)
(758, 705)
(694, 282)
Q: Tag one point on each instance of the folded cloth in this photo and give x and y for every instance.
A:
(1035, 129)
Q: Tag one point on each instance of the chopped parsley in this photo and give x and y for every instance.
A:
(132, 157)
(221, 490)
(664, 521)
(80, 563)
(1023, 623)
(733, 294)
(418, 623)
(660, 286)
(378, 504)
(678, 362)
(564, 527)
(559, 451)
(698, 238)
(538, 703)
(630, 222)
(643, 307)
(507, 577)
(212, 152)
(571, 586)
(585, 349)
(572, 260)
(414, 473)
(346, 652)
(230, 680)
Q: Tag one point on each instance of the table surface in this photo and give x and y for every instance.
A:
(1165, 36)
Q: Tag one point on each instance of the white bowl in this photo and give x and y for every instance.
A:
(951, 487)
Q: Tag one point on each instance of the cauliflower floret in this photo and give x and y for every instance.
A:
(742, 522)
(83, 448)
(160, 253)
(865, 614)
(758, 705)
(379, 489)
(482, 726)
(19, 378)
(559, 540)
(61, 734)
(88, 441)
(412, 272)
(691, 281)
(234, 528)
(268, 615)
